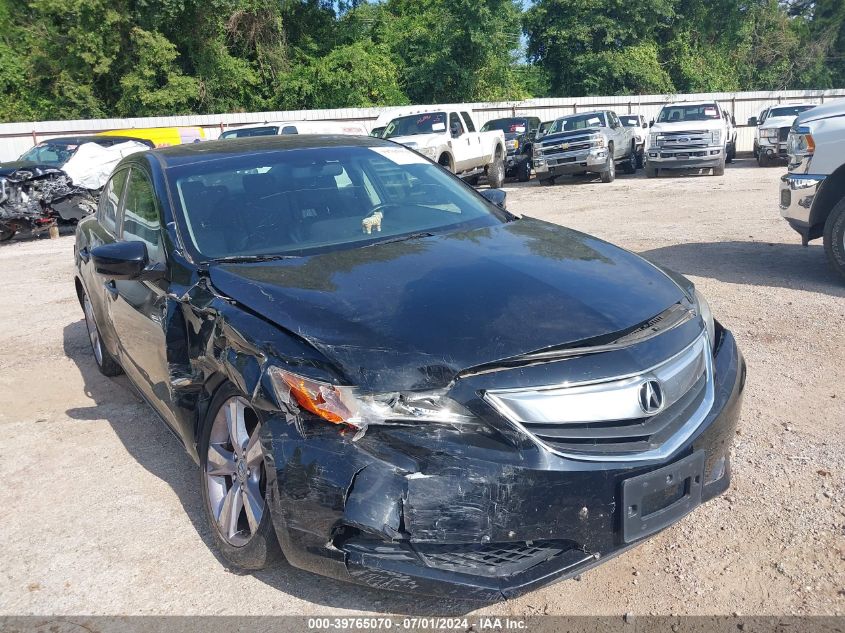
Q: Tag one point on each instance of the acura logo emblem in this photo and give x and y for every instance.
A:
(651, 397)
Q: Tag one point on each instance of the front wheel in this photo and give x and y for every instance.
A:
(719, 170)
(496, 173)
(523, 172)
(630, 164)
(763, 159)
(234, 483)
(730, 153)
(834, 237)
(608, 174)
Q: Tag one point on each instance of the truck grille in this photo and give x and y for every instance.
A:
(683, 140)
(608, 419)
(577, 143)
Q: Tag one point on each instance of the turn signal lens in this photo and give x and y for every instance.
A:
(321, 399)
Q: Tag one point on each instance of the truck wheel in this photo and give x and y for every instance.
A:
(762, 159)
(719, 170)
(641, 159)
(445, 163)
(730, 152)
(834, 237)
(630, 164)
(6, 233)
(496, 173)
(756, 151)
(523, 172)
(546, 182)
(650, 172)
(608, 174)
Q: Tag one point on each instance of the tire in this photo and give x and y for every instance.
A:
(106, 363)
(6, 233)
(651, 172)
(756, 151)
(546, 182)
(496, 173)
(445, 163)
(472, 181)
(640, 159)
(719, 170)
(523, 171)
(630, 164)
(233, 480)
(762, 159)
(834, 237)
(608, 174)
(730, 152)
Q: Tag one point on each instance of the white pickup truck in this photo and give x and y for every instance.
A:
(689, 135)
(585, 142)
(451, 138)
(812, 193)
(772, 130)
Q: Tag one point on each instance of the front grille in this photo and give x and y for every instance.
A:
(783, 134)
(606, 419)
(499, 560)
(567, 144)
(683, 140)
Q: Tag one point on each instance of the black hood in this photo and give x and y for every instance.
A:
(411, 315)
(8, 170)
(560, 136)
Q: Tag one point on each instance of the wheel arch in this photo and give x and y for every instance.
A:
(450, 161)
(830, 193)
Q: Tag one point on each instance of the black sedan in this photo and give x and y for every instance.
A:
(393, 380)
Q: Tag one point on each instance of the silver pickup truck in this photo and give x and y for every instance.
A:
(586, 142)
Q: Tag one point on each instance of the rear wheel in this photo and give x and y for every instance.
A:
(496, 173)
(608, 174)
(106, 363)
(523, 171)
(234, 483)
(834, 237)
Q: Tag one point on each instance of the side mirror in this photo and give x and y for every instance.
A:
(120, 260)
(496, 196)
(753, 121)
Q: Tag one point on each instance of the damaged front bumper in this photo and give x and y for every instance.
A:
(436, 511)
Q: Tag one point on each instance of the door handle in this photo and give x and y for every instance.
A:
(111, 287)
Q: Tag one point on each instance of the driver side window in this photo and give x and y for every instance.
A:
(110, 200)
(140, 215)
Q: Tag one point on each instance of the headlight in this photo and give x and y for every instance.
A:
(598, 140)
(514, 144)
(716, 136)
(429, 152)
(346, 406)
(652, 139)
(800, 143)
(771, 134)
(703, 309)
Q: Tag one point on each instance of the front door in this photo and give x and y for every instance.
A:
(138, 307)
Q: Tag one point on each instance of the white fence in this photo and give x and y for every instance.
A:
(16, 138)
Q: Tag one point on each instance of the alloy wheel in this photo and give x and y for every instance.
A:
(234, 472)
(93, 332)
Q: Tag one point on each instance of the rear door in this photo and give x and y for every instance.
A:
(138, 307)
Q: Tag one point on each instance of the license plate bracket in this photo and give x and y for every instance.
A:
(687, 472)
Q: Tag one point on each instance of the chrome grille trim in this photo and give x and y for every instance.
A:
(698, 351)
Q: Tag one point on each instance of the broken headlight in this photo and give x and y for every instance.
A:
(703, 308)
(349, 407)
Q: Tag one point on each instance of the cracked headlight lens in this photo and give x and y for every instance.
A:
(346, 406)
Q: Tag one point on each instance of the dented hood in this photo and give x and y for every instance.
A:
(411, 315)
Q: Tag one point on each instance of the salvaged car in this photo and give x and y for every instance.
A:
(689, 135)
(398, 382)
(57, 181)
(451, 139)
(520, 134)
(590, 142)
(812, 193)
(772, 131)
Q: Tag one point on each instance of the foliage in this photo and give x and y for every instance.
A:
(97, 58)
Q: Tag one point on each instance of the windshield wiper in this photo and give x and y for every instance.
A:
(239, 259)
(401, 238)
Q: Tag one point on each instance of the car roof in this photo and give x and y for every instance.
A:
(193, 153)
(566, 116)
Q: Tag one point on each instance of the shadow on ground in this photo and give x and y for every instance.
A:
(755, 263)
(150, 442)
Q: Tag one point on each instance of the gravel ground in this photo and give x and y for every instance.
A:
(103, 506)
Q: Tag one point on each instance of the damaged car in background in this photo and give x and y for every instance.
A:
(394, 381)
(58, 181)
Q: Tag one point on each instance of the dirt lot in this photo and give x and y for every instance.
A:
(103, 510)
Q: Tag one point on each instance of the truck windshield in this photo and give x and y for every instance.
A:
(790, 110)
(425, 123)
(696, 112)
(52, 153)
(578, 122)
(630, 121)
(508, 126)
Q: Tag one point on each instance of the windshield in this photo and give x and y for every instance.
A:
(789, 110)
(52, 153)
(508, 126)
(578, 122)
(270, 130)
(630, 121)
(293, 202)
(696, 112)
(425, 123)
